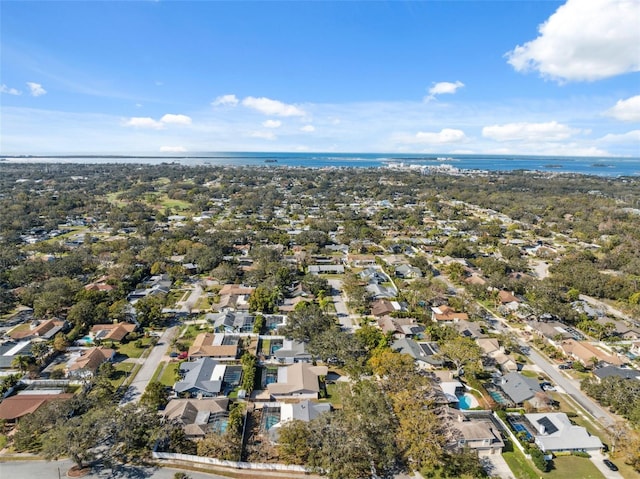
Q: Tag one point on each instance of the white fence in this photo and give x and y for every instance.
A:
(237, 465)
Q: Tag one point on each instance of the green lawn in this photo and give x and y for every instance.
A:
(130, 350)
(335, 392)
(519, 465)
(562, 467)
(121, 372)
(168, 376)
(573, 466)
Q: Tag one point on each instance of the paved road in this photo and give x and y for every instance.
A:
(346, 322)
(58, 469)
(145, 374)
(609, 309)
(571, 388)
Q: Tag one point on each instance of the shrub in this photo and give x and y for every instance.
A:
(537, 456)
(580, 454)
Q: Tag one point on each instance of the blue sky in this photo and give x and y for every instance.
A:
(512, 77)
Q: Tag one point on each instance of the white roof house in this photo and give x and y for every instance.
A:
(555, 432)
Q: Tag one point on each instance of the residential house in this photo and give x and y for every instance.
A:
(222, 347)
(406, 271)
(360, 260)
(160, 284)
(318, 269)
(374, 275)
(447, 315)
(553, 331)
(289, 304)
(292, 351)
(40, 329)
(231, 321)
(297, 381)
(112, 331)
(492, 349)
(401, 327)
(425, 354)
(624, 373)
(556, 433)
(635, 348)
(521, 389)
(15, 407)
(11, 349)
(234, 297)
(478, 433)
(378, 291)
(198, 417)
(86, 363)
(469, 329)
(304, 411)
(201, 378)
(587, 353)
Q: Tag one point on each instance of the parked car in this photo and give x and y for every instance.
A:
(610, 465)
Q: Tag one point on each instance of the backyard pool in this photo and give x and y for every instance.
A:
(467, 401)
(86, 340)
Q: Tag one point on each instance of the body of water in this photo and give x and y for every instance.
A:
(600, 166)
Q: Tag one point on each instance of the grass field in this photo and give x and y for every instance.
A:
(573, 466)
(168, 376)
(130, 350)
(122, 369)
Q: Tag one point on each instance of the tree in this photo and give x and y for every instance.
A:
(295, 442)
(76, 437)
(40, 350)
(461, 351)
(155, 396)
(22, 362)
(60, 342)
(420, 434)
(396, 371)
(306, 321)
(265, 300)
(149, 310)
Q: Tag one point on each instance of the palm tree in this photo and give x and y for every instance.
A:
(22, 362)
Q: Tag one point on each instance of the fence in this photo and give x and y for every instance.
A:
(236, 465)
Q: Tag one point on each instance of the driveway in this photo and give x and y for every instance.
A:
(496, 466)
(597, 458)
(149, 366)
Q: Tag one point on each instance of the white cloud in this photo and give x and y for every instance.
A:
(308, 128)
(584, 40)
(272, 124)
(147, 122)
(143, 122)
(632, 136)
(444, 136)
(549, 131)
(442, 88)
(265, 135)
(626, 110)
(171, 119)
(173, 149)
(272, 107)
(225, 100)
(9, 91)
(36, 89)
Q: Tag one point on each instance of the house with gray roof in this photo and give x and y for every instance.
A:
(426, 354)
(231, 321)
(201, 378)
(10, 349)
(521, 389)
(292, 351)
(198, 417)
(305, 411)
(608, 371)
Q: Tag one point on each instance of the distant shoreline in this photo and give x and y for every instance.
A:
(591, 166)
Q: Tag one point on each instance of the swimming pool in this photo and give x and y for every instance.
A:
(467, 401)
